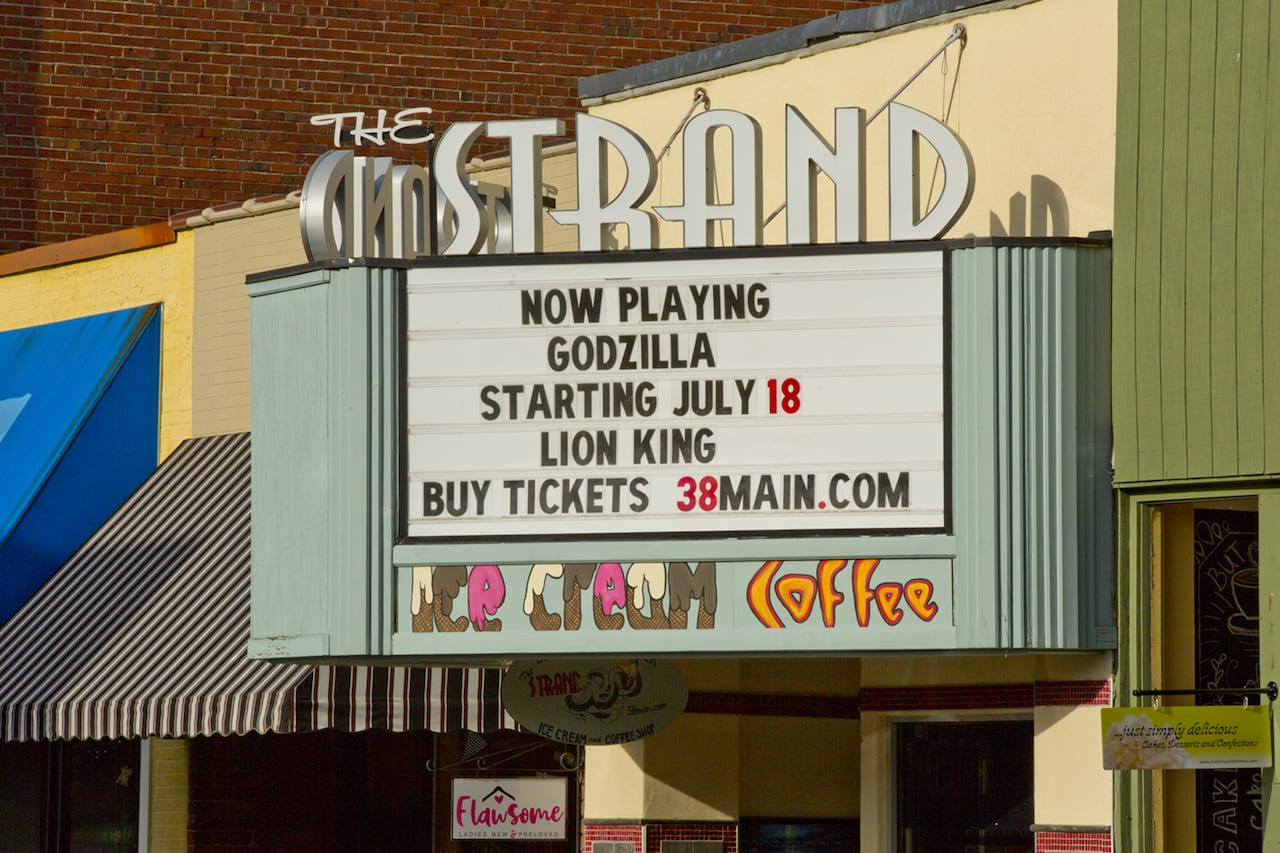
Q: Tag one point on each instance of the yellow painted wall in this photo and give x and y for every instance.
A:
(161, 274)
(716, 767)
(1072, 789)
(1032, 96)
(168, 804)
(1011, 668)
(226, 252)
(796, 767)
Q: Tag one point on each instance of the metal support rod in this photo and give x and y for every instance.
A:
(957, 32)
(699, 96)
(1271, 691)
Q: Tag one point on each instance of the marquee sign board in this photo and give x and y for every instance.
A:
(691, 396)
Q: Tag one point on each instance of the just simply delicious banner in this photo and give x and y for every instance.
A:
(1186, 737)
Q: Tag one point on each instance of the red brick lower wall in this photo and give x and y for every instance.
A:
(648, 838)
(1070, 842)
(650, 841)
(592, 832)
(660, 832)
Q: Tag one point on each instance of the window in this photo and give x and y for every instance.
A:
(965, 787)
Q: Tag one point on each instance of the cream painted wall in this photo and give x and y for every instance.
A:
(985, 669)
(226, 252)
(168, 804)
(614, 782)
(1072, 789)
(797, 767)
(715, 767)
(1032, 96)
(160, 274)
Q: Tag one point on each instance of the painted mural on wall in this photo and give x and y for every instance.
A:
(1229, 802)
(691, 606)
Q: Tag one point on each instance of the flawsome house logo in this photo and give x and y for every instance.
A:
(515, 809)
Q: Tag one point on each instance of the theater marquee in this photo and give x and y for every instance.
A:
(699, 395)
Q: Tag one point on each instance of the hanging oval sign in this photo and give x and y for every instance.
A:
(594, 702)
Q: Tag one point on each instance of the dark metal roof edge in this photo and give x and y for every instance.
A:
(851, 21)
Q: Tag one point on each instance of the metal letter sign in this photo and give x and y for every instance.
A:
(353, 208)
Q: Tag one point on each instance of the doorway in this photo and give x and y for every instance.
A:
(965, 787)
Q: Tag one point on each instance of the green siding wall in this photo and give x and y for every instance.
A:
(1197, 181)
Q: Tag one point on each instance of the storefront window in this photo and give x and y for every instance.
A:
(97, 811)
(77, 796)
(965, 787)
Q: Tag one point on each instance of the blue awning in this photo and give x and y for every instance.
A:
(79, 430)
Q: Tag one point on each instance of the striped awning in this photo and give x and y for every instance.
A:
(143, 633)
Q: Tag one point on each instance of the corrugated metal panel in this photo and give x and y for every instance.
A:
(1032, 438)
(79, 405)
(143, 632)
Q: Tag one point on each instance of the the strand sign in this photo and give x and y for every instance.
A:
(355, 206)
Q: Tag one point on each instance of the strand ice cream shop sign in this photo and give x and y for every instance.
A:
(370, 207)
(519, 809)
(594, 703)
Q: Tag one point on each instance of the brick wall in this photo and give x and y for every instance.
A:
(122, 112)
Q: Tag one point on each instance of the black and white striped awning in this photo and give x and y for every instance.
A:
(143, 633)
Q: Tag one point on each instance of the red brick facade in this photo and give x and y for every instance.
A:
(122, 112)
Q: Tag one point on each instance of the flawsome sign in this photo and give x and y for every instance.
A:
(712, 395)
(514, 809)
(356, 206)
